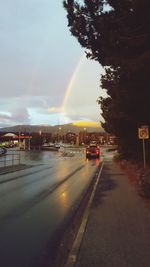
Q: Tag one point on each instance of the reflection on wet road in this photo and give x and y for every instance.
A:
(35, 203)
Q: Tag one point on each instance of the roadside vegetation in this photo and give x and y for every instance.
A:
(117, 35)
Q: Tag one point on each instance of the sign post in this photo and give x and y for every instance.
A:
(144, 157)
(143, 134)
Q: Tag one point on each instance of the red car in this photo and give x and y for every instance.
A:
(93, 150)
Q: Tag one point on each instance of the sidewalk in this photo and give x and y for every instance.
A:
(118, 229)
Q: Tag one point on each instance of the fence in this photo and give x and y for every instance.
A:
(9, 160)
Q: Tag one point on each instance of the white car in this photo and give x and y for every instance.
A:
(57, 145)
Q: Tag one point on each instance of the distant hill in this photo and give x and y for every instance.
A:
(51, 129)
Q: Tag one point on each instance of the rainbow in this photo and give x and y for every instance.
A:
(71, 82)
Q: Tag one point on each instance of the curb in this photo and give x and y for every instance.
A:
(72, 258)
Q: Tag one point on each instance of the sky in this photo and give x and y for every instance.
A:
(45, 77)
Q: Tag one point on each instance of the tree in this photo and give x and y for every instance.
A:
(119, 39)
(36, 141)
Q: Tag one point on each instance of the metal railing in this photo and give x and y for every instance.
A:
(9, 160)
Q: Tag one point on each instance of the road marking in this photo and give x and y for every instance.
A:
(77, 243)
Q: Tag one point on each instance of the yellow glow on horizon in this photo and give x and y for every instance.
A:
(87, 124)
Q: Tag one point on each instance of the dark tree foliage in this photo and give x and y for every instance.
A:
(36, 141)
(116, 33)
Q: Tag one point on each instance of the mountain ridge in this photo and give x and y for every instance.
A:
(63, 128)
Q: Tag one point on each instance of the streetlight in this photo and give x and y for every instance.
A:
(19, 137)
(84, 136)
(59, 135)
(29, 142)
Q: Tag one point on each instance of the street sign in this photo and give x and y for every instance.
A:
(143, 132)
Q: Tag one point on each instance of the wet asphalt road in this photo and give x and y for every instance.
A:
(37, 202)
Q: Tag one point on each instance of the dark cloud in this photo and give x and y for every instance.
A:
(20, 115)
(38, 60)
(5, 120)
(4, 117)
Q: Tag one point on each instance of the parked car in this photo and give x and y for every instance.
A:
(93, 150)
(57, 145)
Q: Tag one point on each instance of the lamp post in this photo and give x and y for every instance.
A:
(40, 133)
(29, 142)
(59, 136)
(19, 137)
(84, 137)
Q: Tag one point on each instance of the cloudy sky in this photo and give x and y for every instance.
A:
(44, 75)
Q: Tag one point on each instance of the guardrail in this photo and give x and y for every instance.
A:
(9, 160)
